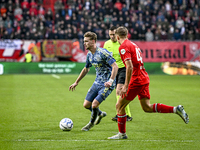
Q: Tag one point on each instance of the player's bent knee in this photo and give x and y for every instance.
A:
(86, 105)
(94, 106)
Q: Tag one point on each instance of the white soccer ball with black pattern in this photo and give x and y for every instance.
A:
(66, 124)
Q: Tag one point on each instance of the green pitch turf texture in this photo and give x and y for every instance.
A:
(31, 107)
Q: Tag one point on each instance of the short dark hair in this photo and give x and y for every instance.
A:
(112, 28)
(122, 31)
(91, 35)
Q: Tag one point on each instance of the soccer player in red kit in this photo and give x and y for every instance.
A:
(137, 84)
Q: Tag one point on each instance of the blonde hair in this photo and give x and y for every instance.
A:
(91, 35)
(122, 32)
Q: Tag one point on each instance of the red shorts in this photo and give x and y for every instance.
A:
(142, 92)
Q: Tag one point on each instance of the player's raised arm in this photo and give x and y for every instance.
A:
(113, 75)
(80, 77)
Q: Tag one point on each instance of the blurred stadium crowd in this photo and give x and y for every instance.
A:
(147, 20)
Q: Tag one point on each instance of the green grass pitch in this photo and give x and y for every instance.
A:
(31, 107)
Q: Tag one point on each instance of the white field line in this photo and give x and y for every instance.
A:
(56, 76)
(49, 140)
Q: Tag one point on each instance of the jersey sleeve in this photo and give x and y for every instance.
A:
(124, 53)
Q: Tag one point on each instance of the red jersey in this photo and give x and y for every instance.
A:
(130, 51)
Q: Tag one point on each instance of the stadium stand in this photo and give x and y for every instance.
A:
(146, 20)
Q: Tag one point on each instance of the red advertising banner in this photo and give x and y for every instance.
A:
(78, 55)
(174, 52)
(168, 51)
(54, 48)
(10, 50)
(63, 48)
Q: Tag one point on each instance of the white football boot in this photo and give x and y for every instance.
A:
(118, 136)
(181, 112)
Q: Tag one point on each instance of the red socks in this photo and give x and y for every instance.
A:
(157, 107)
(121, 123)
(161, 108)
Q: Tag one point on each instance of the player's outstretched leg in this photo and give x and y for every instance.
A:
(99, 117)
(118, 136)
(161, 108)
(181, 112)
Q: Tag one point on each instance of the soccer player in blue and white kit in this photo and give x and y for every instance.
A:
(106, 71)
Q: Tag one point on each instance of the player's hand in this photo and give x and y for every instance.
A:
(123, 92)
(72, 87)
(108, 84)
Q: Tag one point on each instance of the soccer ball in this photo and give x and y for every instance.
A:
(66, 124)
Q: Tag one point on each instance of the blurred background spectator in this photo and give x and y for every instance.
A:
(146, 20)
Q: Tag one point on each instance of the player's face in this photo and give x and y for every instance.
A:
(112, 36)
(88, 43)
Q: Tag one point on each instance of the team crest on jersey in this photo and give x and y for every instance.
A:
(123, 51)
